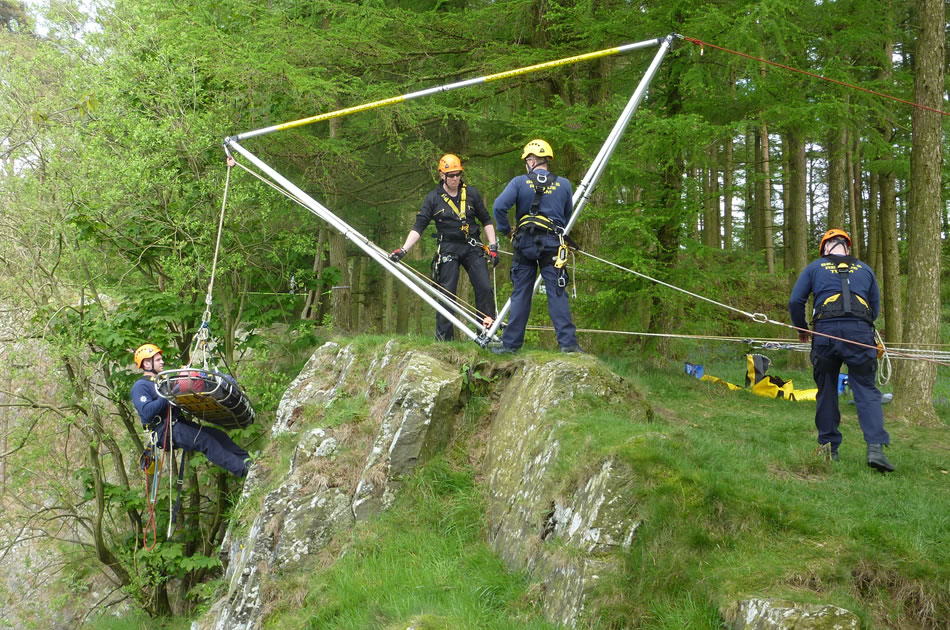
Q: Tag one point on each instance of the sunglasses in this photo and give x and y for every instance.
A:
(448, 175)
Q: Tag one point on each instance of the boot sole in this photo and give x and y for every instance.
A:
(881, 467)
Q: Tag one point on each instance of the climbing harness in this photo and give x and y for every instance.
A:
(459, 210)
(845, 303)
(441, 303)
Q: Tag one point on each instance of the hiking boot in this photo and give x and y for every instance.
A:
(877, 459)
(503, 350)
(574, 348)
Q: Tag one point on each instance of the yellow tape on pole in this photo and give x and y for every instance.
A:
(445, 88)
(552, 64)
(341, 112)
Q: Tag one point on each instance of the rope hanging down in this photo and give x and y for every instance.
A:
(202, 337)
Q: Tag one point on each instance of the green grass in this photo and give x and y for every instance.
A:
(135, 621)
(425, 557)
(736, 502)
(733, 499)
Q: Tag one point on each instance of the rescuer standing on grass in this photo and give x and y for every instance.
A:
(847, 301)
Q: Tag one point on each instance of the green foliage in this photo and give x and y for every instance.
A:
(473, 378)
(112, 179)
(135, 621)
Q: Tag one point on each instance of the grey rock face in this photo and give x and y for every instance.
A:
(561, 541)
(415, 397)
(766, 614)
(565, 536)
(426, 390)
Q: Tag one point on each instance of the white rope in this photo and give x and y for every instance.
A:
(201, 338)
(757, 317)
(883, 363)
(934, 356)
(217, 243)
(767, 344)
(762, 318)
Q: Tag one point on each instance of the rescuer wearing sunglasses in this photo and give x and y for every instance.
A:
(455, 207)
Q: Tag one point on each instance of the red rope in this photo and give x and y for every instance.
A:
(701, 44)
(158, 466)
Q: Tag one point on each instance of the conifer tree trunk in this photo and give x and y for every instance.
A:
(796, 213)
(837, 157)
(389, 303)
(796, 217)
(727, 182)
(763, 197)
(311, 305)
(887, 225)
(854, 199)
(340, 293)
(402, 308)
(891, 291)
(874, 257)
(786, 204)
(758, 234)
(356, 293)
(914, 387)
(711, 200)
(748, 227)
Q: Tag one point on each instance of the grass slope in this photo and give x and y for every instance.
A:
(734, 499)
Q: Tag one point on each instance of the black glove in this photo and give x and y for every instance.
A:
(397, 254)
(493, 254)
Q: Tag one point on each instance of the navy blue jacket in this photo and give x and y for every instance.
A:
(151, 406)
(821, 278)
(556, 202)
(447, 223)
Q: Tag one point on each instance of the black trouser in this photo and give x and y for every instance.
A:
(452, 256)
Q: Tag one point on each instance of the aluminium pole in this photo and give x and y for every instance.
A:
(442, 296)
(582, 194)
(341, 226)
(449, 86)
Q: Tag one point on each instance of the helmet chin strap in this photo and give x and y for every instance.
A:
(832, 250)
(537, 162)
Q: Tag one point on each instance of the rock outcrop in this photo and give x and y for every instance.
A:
(767, 614)
(358, 420)
(563, 540)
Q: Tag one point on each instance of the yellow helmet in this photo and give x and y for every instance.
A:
(450, 163)
(539, 148)
(145, 351)
(830, 234)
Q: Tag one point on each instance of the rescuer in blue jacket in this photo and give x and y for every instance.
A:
(847, 301)
(154, 411)
(457, 209)
(543, 207)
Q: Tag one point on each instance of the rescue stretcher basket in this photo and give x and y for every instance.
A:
(210, 396)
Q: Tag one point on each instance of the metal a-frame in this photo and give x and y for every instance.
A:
(445, 305)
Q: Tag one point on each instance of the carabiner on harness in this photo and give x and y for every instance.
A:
(560, 259)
